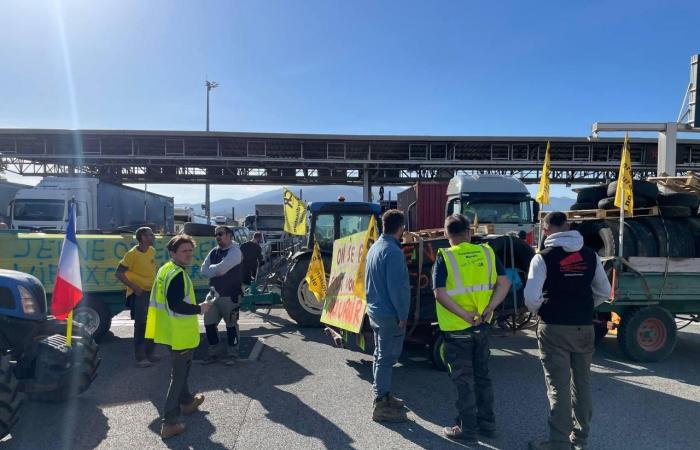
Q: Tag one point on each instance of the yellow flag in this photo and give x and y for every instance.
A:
(294, 214)
(543, 193)
(316, 275)
(624, 180)
(371, 237)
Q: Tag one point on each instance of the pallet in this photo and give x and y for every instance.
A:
(689, 183)
(598, 214)
(439, 233)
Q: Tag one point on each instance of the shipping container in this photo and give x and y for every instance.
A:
(424, 205)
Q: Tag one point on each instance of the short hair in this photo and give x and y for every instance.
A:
(178, 240)
(392, 220)
(223, 228)
(555, 218)
(141, 232)
(456, 224)
(257, 234)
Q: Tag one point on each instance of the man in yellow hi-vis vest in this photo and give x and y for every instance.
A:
(469, 283)
(172, 321)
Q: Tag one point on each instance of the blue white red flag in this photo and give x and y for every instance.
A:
(68, 289)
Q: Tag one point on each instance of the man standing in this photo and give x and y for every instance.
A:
(172, 321)
(137, 270)
(469, 283)
(565, 283)
(388, 299)
(223, 268)
(252, 258)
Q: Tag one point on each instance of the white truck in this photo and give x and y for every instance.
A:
(100, 206)
(8, 191)
(501, 201)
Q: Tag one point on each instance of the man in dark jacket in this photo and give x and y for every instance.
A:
(565, 283)
(252, 258)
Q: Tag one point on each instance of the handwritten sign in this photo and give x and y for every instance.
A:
(37, 254)
(343, 308)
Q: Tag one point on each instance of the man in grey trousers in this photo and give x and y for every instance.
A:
(565, 283)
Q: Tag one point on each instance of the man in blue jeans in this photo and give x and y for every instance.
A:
(388, 299)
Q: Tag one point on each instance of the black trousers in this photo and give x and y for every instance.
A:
(143, 348)
(179, 391)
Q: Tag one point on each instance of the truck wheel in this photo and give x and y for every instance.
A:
(647, 334)
(646, 243)
(298, 300)
(10, 400)
(601, 330)
(437, 354)
(84, 363)
(95, 317)
(686, 199)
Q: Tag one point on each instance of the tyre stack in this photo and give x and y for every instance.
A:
(675, 232)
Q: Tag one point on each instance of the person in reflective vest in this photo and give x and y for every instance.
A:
(172, 321)
(469, 283)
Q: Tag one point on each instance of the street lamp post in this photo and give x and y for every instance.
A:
(207, 205)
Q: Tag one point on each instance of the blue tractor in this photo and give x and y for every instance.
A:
(329, 221)
(35, 361)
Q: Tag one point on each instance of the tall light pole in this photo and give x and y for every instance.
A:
(207, 205)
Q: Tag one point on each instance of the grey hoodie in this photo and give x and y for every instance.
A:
(570, 241)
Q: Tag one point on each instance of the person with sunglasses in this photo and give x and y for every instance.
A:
(223, 268)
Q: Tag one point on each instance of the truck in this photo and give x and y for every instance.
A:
(424, 205)
(269, 220)
(497, 200)
(7, 194)
(100, 206)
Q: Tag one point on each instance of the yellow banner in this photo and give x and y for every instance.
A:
(623, 193)
(342, 307)
(316, 274)
(371, 236)
(542, 196)
(294, 214)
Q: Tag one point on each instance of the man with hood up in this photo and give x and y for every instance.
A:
(565, 283)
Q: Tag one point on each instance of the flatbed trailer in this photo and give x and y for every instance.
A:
(651, 296)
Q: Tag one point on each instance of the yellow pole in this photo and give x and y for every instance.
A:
(69, 328)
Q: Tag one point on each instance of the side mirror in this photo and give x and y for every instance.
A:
(535, 211)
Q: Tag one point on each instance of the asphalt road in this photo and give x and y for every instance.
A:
(303, 393)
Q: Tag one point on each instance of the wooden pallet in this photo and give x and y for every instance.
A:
(597, 214)
(439, 233)
(689, 183)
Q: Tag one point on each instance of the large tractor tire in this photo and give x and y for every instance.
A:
(95, 316)
(639, 189)
(646, 242)
(689, 200)
(610, 237)
(681, 243)
(658, 229)
(10, 398)
(647, 334)
(592, 194)
(298, 300)
(84, 363)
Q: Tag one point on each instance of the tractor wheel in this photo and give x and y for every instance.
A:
(10, 399)
(639, 189)
(438, 353)
(583, 206)
(592, 194)
(647, 334)
(85, 361)
(298, 300)
(95, 317)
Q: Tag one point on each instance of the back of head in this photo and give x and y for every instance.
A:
(392, 221)
(457, 225)
(257, 236)
(555, 221)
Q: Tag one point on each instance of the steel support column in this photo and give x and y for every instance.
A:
(666, 163)
(366, 186)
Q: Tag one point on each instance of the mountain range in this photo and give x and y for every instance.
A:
(245, 206)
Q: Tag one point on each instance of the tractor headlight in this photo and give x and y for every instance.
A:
(29, 303)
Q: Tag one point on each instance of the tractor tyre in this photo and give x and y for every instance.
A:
(680, 199)
(85, 360)
(658, 229)
(10, 398)
(95, 316)
(678, 212)
(592, 194)
(646, 242)
(647, 334)
(639, 189)
(681, 243)
(610, 237)
(580, 206)
(298, 300)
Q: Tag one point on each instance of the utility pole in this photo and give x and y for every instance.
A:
(207, 203)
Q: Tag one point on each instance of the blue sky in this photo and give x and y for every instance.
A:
(366, 67)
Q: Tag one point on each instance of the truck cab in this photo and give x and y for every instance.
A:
(499, 200)
(45, 207)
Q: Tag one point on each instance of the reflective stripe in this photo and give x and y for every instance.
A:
(488, 261)
(465, 289)
(455, 269)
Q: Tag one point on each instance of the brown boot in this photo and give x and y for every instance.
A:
(395, 402)
(194, 406)
(385, 412)
(168, 430)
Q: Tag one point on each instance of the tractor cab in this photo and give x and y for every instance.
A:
(334, 220)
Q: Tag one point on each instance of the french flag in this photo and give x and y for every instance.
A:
(68, 289)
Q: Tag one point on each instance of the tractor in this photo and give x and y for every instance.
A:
(35, 360)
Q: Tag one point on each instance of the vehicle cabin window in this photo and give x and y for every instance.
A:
(351, 224)
(493, 212)
(325, 230)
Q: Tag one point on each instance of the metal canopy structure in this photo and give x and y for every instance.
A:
(267, 158)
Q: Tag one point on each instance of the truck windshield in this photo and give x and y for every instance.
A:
(270, 223)
(39, 210)
(497, 212)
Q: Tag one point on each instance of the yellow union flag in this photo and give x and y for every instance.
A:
(316, 275)
(625, 199)
(371, 236)
(294, 214)
(542, 196)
